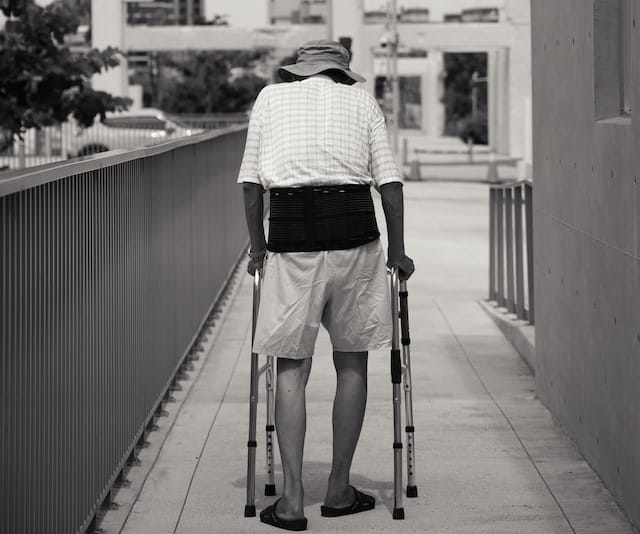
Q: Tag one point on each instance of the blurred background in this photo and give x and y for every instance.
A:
(461, 70)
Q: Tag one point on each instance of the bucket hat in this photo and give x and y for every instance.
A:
(315, 57)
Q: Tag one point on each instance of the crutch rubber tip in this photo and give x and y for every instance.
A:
(249, 510)
(412, 491)
(269, 490)
(398, 513)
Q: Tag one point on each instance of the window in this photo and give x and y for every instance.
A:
(410, 112)
(613, 58)
(626, 25)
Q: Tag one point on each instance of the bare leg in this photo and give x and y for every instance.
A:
(348, 413)
(291, 425)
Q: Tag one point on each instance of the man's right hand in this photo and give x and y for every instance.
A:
(256, 261)
(404, 264)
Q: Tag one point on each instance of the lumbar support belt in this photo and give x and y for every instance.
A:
(305, 219)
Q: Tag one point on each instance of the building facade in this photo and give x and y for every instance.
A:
(586, 94)
(165, 12)
(499, 28)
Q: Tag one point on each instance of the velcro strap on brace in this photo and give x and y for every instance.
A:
(306, 219)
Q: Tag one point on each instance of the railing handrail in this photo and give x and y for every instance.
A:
(22, 179)
(511, 185)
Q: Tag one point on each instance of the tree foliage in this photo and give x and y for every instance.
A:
(41, 81)
(459, 69)
(210, 82)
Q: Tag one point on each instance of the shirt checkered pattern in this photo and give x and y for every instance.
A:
(317, 132)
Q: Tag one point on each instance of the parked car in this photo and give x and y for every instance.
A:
(128, 129)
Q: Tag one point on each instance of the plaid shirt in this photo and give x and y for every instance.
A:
(317, 132)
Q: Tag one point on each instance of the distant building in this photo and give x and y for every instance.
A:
(491, 14)
(414, 14)
(375, 17)
(165, 13)
(297, 11)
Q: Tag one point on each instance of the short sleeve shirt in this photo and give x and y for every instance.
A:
(317, 132)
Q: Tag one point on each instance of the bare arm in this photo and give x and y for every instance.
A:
(393, 206)
(254, 211)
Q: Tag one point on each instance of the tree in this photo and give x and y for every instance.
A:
(41, 81)
(459, 69)
(210, 82)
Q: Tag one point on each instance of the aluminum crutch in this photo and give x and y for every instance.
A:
(396, 379)
(412, 488)
(267, 369)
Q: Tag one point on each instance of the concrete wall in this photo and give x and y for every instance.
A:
(587, 264)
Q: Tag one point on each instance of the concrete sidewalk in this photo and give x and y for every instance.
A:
(489, 456)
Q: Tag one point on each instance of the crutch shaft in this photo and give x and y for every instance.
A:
(412, 489)
(270, 486)
(396, 380)
(250, 507)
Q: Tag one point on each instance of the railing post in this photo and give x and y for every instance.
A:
(520, 311)
(492, 243)
(500, 243)
(509, 240)
(528, 195)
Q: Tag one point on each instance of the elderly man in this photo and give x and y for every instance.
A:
(318, 144)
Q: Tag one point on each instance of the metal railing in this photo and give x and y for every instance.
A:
(67, 140)
(109, 269)
(511, 248)
(214, 121)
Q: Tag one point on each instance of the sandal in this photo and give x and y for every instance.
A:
(362, 503)
(270, 517)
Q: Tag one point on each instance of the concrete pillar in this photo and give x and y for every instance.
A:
(347, 21)
(433, 113)
(498, 96)
(107, 29)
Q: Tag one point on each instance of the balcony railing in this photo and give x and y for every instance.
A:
(511, 248)
(109, 268)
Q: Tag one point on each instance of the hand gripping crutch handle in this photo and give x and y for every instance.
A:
(396, 380)
(250, 507)
(412, 488)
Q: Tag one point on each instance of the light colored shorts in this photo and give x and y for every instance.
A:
(345, 290)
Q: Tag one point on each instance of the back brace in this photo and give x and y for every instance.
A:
(332, 217)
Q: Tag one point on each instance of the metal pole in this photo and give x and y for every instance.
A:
(500, 245)
(250, 507)
(517, 191)
(509, 249)
(396, 379)
(395, 82)
(528, 195)
(329, 19)
(492, 243)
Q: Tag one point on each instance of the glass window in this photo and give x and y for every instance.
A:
(613, 58)
(626, 22)
(410, 103)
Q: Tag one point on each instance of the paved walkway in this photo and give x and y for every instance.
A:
(489, 457)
